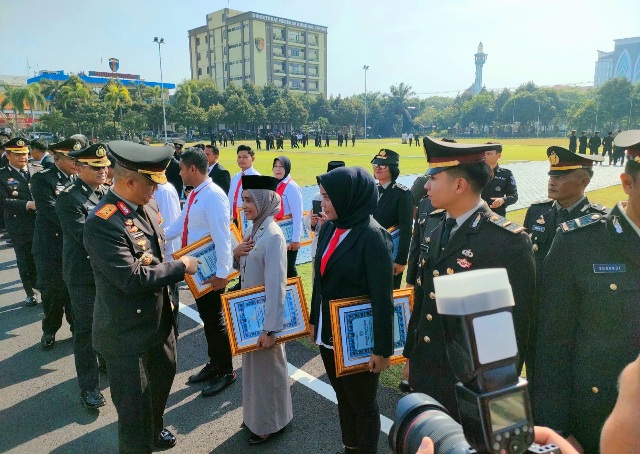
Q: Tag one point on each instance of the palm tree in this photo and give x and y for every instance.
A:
(399, 100)
(152, 94)
(16, 98)
(186, 93)
(36, 99)
(117, 96)
(51, 88)
(73, 92)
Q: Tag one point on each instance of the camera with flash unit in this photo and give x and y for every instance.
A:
(493, 402)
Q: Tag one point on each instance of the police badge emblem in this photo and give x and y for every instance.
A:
(100, 152)
(77, 146)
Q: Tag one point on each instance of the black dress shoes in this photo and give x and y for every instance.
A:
(31, 301)
(258, 439)
(92, 399)
(207, 373)
(47, 341)
(218, 383)
(165, 440)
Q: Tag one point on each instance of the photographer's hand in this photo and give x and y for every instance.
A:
(545, 436)
(426, 447)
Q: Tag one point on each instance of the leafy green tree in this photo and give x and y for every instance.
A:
(116, 96)
(208, 92)
(16, 97)
(298, 114)
(51, 88)
(253, 94)
(237, 110)
(134, 122)
(36, 101)
(321, 108)
(479, 110)
(73, 93)
(187, 94)
(271, 94)
(277, 113)
(399, 106)
(214, 116)
(259, 115)
(189, 116)
(614, 99)
(53, 121)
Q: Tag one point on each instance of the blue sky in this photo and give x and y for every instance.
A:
(427, 44)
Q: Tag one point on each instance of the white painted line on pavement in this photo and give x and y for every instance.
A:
(9, 310)
(302, 377)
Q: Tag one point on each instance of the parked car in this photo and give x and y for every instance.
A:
(43, 135)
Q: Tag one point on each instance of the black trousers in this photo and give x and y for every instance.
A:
(82, 302)
(56, 302)
(292, 271)
(25, 262)
(357, 405)
(219, 350)
(140, 386)
(397, 281)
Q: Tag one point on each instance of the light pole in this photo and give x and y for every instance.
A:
(164, 113)
(366, 68)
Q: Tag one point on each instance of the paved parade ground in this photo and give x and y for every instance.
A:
(40, 409)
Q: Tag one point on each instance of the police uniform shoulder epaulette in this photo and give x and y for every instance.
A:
(106, 211)
(436, 212)
(505, 223)
(542, 201)
(400, 186)
(68, 188)
(574, 224)
(599, 208)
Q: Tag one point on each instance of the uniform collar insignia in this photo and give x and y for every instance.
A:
(616, 224)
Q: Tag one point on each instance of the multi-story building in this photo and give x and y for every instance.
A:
(239, 47)
(624, 61)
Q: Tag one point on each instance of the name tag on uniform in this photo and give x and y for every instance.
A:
(609, 268)
(537, 228)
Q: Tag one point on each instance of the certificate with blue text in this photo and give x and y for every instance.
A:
(352, 329)
(244, 313)
(395, 237)
(286, 224)
(205, 250)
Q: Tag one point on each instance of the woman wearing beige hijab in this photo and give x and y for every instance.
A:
(262, 260)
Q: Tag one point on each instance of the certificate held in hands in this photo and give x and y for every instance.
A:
(205, 250)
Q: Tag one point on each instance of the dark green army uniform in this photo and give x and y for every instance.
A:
(589, 324)
(484, 240)
(395, 209)
(47, 242)
(133, 321)
(607, 146)
(543, 219)
(15, 192)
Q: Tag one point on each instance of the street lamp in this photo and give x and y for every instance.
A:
(366, 68)
(164, 113)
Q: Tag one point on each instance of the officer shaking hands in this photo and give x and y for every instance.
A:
(133, 322)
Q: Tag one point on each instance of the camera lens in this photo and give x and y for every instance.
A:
(418, 416)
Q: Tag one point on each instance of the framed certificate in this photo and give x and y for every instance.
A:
(205, 250)
(286, 224)
(244, 314)
(395, 237)
(352, 329)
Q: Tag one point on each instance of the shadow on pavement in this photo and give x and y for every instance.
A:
(28, 364)
(41, 413)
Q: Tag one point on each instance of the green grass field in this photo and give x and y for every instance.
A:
(308, 162)
(311, 161)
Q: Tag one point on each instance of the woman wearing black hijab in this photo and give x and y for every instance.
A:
(354, 258)
(395, 207)
(291, 196)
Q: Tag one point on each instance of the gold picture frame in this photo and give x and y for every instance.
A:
(204, 249)
(306, 238)
(243, 309)
(352, 330)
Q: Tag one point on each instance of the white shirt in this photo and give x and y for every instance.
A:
(168, 202)
(319, 327)
(621, 207)
(292, 202)
(235, 182)
(207, 216)
(211, 167)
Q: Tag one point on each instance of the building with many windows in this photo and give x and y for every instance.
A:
(236, 46)
(624, 61)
